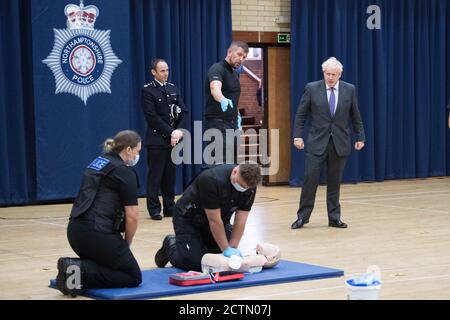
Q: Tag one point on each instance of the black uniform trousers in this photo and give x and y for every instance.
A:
(335, 169)
(107, 260)
(192, 243)
(229, 145)
(161, 175)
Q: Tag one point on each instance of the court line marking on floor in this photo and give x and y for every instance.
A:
(395, 194)
(395, 207)
(402, 198)
(5, 219)
(32, 223)
(49, 223)
(16, 225)
(277, 202)
(285, 203)
(65, 225)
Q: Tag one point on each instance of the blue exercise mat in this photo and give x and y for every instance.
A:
(155, 282)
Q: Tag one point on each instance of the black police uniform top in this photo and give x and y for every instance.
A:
(212, 189)
(159, 106)
(231, 89)
(108, 186)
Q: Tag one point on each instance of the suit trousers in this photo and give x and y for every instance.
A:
(335, 167)
(161, 176)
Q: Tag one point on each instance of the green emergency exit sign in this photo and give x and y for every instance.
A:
(284, 38)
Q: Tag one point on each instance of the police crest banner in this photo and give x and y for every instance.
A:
(90, 60)
(82, 59)
(81, 86)
(72, 74)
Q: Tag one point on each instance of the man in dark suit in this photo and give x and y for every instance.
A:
(164, 111)
(330, 105)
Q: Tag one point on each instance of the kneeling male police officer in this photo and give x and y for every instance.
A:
(106, 206)
(202, 215)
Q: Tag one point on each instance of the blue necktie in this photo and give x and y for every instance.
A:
(332, 101)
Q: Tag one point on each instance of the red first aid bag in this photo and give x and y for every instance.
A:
(193, 278)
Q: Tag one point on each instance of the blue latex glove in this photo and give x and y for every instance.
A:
(239, 121)
(228, 252)
(224, 103)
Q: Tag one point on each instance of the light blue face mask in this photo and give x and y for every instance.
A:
(238, 187)
(133, 162)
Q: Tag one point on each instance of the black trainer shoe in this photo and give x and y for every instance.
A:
(63, 275)
(162, 255)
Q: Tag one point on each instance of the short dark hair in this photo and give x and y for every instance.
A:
(155, 63)
(251, 173)
(239, 44)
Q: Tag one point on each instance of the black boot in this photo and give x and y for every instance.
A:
(66, 280)
(162, 255)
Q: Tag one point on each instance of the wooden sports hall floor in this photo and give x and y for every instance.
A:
(402, 226)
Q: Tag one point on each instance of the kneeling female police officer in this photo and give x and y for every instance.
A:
(106, 205)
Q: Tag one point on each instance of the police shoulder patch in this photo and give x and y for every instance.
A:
(98, 164)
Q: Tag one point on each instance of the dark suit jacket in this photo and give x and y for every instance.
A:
(156, 106)
(314, 105)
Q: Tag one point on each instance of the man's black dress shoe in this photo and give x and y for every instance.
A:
(337, 224)
(156, 216)
(299, 223)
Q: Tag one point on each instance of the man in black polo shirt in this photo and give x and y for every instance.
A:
(223, 89)
(201, 218)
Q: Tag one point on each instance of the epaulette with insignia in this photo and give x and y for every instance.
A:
(150, 83)
(170, 84)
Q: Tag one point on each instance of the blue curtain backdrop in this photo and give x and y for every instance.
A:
(47, 139)
(17, 173)
(401, 72)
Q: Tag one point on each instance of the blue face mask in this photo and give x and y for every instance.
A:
(133, 162)
(240, 69)
(238, 187)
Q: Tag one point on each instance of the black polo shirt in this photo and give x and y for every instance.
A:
(211, 192)
(231, 89)
(212, 189)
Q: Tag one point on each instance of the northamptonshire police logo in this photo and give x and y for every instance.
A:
(82, 59)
